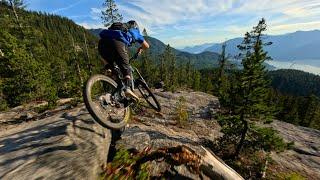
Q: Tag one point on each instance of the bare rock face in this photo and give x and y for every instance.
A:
(67, 145)
(305, 155)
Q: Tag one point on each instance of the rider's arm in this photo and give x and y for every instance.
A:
(144, 45)
(140, 39)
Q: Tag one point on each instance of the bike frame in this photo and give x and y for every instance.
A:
(133, 69)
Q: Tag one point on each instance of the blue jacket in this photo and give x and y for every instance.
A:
(133, 35)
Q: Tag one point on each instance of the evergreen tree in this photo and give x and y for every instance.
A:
(162, 68)
(222, 65)
(146, 66)
(111, 13)
(315, 121)
(311, 108)
(189, 76)
(168, 69)
(145, 34)
(223, 82)
(254, 85)
(248, 98)
(38, 63)
(25, 79)
(196, 83)
(14, 3)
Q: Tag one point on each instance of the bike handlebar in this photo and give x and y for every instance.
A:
(134, 57)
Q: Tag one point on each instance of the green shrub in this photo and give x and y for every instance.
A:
(3, 105)
(181, 112)
(121, 166)
(290, 176)
(75, 101)
(44, 108)
(268, 139)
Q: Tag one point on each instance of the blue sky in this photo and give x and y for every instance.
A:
(190, 22)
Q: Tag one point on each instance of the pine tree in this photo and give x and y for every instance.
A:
(173, 73)
(164, 69)
(188, 76)
(38, 64)
(1, 53)
(168, 68)
(315, 122)
(145, 34)
(111, 13)
(196, 83)
(311, 108)
(222, 65)
(14, 5)
(146, 62)
(254, 85)
(248, 97)
(223, 85)
(24, 78)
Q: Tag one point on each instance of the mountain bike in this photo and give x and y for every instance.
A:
(105, 99)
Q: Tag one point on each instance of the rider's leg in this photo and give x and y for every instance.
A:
(107, 52)
(124, 64)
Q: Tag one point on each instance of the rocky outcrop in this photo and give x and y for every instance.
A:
(157, 131)
(160, 131)
(152, 135)
(66, 145)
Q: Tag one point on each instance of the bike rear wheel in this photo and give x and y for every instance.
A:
(100, 97)
(148, 95)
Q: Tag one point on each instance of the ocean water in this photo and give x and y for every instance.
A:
(312, 67)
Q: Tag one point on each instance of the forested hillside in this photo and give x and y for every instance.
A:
(43, 56)
(296, 83)
(296, 96)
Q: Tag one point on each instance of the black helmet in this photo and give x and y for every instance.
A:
(132, 24)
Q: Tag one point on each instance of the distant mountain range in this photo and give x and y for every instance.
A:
(198, 48)
(300, 47)
(200, 60)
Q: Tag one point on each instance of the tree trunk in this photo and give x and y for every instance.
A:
(77, 65)
(87, 53)
(1, 53)
(79, 73)
(243, 136)
(264, 170)
(15, 14)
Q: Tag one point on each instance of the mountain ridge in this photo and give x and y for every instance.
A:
(299, 46)
(197, 48)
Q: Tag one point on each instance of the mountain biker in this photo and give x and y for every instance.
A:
(113, 47)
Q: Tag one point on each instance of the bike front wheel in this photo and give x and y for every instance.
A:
(101, 98)
(148, 95)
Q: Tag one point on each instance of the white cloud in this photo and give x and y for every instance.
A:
(91, 25)
(287, 27)
(234, 17)
(167, 12)
(66, 8)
